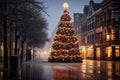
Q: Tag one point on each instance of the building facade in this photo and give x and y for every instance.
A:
(111, 29)
(91, 30)
(83, 32)
(76, 24)
(99, 32)
(98, 48)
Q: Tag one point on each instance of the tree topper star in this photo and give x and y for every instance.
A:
(65, 5)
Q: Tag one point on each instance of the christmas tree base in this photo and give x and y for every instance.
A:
(65, 60)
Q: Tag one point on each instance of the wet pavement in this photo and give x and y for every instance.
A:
(88, 70)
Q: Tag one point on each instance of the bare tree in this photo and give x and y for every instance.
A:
(25, 18)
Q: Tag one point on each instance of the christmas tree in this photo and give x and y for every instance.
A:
(65, 44)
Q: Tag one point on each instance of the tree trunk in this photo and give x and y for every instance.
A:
(21, 57)
(33, 53)
(10, 43)
(5, 37)
(16, 39)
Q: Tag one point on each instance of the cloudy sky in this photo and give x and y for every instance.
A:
(55, 9)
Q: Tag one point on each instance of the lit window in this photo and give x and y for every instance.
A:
(112, 35)
(117, 47)
(117, 53)
(108, 51)
(108, 37)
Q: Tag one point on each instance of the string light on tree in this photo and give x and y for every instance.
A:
(65, 44)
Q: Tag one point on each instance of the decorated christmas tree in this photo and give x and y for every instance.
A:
(65, 44)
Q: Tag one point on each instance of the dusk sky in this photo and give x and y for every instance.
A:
(55, 9)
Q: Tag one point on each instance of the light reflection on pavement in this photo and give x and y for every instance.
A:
(88, 70)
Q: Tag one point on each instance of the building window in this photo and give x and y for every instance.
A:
(88, 27)
(117, 51)
(92, 25)
(98, 52)
(119, 34)
(1, 49)
(86, 39)
(109, 15)
(108, 51)
(116, 14)
(108, 37)
(113, 36)
(93, 39)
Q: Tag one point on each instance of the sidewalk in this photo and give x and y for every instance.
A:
(9, 74)
(1, 70)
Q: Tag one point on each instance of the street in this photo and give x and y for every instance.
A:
(59, 40)
(88, 70)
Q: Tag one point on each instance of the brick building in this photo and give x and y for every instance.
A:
(111, 29)
(99, 30)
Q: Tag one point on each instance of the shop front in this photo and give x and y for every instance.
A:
(98, 53)
(112, 52)
(90, 52)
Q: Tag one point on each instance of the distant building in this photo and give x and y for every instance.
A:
(83, 35)
(76, 24)
(91, 29)
(85, 10)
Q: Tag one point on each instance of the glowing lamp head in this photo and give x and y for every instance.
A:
(65, 5)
